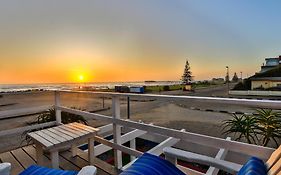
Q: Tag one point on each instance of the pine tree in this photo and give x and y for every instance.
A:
(235, 78)
(187, 75)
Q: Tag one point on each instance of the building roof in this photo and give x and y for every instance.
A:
(274, 73)
(266, 79)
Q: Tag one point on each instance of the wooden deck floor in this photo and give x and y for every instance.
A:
(22, 158)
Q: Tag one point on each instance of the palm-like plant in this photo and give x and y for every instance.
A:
(243, 125)
(269, 125)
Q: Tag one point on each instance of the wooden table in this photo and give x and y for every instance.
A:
(55, 138)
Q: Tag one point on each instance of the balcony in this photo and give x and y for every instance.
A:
(128, 131)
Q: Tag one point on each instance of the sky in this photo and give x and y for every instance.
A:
(134, 40)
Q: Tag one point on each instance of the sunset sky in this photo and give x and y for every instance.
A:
(58, 41)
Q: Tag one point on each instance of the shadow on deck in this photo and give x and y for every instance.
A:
(22, 158)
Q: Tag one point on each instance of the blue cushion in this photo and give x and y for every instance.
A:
(149, 164)
(254, 166)
(38, 170)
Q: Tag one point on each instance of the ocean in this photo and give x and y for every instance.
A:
(5, 88)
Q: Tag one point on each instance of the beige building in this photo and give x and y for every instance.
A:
(265, 82)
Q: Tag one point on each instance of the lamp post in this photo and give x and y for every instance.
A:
(227, 79)
(241, 76)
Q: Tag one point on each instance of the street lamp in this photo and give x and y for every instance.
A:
(227, 79)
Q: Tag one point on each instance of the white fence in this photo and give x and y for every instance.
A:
(171, 137)
(256, 93)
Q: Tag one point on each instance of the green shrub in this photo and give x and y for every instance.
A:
(166, 88)
(66, 117)
(261, 128)
(245, 85)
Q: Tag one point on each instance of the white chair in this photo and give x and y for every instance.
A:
(273, 164)
(5, 168)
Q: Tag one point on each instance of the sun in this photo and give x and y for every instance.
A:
(81, 77)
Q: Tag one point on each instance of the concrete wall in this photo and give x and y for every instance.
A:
(258, 84)
(264, 84)
(256, 93)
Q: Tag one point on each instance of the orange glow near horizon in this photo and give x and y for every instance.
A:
(85, 62)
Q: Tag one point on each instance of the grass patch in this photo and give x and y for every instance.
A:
(163, 88)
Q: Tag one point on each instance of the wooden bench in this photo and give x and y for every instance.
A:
(55, 138)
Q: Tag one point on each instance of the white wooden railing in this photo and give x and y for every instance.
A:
(172, 136)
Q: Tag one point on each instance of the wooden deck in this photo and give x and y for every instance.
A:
(22, 158)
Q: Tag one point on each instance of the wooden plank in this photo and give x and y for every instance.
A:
(16, 166)
(67, 137)
(70, 134)
(23, 158)
(77, 129)
(31, 152)
(189, 171)
(100, 164)
(84, 127)
(79, 162)
(55, 136)
(47, 137)
(43, 141)
(80, 127)
(65, 164)
(71, 130)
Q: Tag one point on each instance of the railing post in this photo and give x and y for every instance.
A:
(171, 159)
(128, 108)
(133, 146)
(116, 131)
(57, 103)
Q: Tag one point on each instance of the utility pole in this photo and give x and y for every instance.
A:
(241, 76)
(227, 79)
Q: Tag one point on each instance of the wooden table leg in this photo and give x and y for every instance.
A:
(74, 149)
(39, 154)
(91, 151)
(55, 159)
